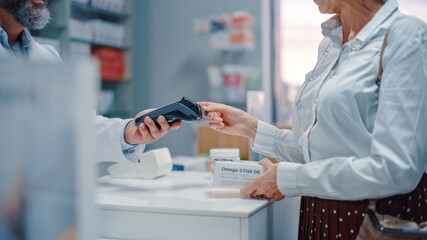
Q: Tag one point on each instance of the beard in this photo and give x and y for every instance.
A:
(30, 15)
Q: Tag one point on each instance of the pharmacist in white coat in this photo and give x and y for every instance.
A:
(119, 140)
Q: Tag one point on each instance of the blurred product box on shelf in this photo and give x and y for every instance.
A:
(112, 63)
(255, 105)
(215, 83)
(230, 33)
(220, 36)
(233, 88)
(214, 76)
(80, 30)
(188, 163)
(108, 33)
(78, 49)
(98, 32)
(241, 34)
(230, 82)
(110, 5)
(202, 26)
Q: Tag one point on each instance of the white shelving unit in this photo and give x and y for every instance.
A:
(117, 35)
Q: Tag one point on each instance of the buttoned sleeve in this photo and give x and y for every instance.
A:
(273, 142)
(132, 152)
(398, 152)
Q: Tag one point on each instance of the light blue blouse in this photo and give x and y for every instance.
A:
(363, 141)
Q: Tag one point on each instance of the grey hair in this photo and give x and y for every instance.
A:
(33, 17)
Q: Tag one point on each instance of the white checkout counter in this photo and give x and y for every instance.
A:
(182, 205)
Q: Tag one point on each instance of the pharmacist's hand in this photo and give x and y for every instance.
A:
(148, 132)
(230, 120)
(264, 186)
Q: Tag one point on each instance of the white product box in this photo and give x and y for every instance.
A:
(151, 164)
(236, 174)
(187, 163)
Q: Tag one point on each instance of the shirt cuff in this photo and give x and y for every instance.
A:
(287, 179)
(265, 138)
(131, 152)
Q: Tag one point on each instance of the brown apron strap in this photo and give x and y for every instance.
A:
(380, 74)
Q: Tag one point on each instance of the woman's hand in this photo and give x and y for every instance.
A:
(230, 120)
(148, 132)
(264, 186)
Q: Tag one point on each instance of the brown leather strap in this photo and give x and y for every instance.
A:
(380, 74)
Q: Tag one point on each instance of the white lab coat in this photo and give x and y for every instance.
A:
(108, 132)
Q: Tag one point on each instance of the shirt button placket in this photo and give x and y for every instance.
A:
(353, 46)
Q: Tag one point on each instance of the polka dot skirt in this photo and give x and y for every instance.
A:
(332, 219)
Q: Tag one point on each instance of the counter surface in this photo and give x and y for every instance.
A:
(188, 193)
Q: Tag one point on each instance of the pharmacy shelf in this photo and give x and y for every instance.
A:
(59, 29)
(96, 45)
(100, 11)
(51, 31)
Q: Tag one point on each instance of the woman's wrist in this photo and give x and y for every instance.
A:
(251, 128)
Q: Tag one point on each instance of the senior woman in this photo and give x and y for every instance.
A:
(359, 123)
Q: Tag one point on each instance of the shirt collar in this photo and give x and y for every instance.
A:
(380, 17)
(3, 38)
(332, 28)
(26, 38)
